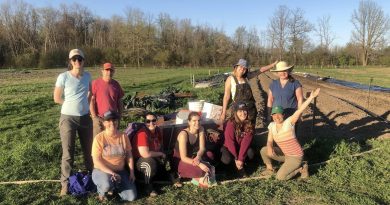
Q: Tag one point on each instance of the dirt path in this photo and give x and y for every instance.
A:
(342, 109)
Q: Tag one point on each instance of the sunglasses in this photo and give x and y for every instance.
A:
(149, 121)
(77, 58)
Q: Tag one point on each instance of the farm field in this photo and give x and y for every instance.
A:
(362, 75)
(30, 146)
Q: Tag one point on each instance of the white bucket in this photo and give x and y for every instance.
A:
(195, 106)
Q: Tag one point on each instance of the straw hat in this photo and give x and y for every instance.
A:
(282, 66)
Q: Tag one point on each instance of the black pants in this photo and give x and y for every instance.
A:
(228, 158)
(147, 167)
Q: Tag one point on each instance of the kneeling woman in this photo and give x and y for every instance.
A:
(111, 151)
(290, 152)
(189, 150)
(238, 137)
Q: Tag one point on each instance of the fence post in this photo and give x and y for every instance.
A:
(369, 89)
(193, 80)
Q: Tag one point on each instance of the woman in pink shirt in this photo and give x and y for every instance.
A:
(289, 151)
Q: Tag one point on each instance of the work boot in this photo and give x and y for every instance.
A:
(305, 171)
(64, 190)
(150, 190)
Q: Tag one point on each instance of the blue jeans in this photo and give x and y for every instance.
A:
(126, 189)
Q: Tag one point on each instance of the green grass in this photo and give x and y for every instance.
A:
(30, 149)
(362, 75)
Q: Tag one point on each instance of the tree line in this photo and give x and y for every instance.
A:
(42, 37)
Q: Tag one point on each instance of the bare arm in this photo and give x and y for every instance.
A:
(268, 67)
(297, 114)
(182, 138)
(92, 106)
(299, 96)
(57, 95)
(146, 153)
(270, 146)
(98, 162)
(270, 99)
(202, 144)
(130, 162)
(226, 97)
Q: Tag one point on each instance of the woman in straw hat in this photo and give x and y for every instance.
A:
(237, 87)
(285, 91)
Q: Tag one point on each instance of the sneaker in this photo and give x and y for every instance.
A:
(242, 173)
(267, 173)
(64, 190)
(305, 171)
(150, 190)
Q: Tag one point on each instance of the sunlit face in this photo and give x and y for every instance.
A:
(283, 74)
(108, 73)
(242, 115)
(194, 123)
(240, 70)
(151, 122)
(278, 118)
(77, 62)
(111, 125)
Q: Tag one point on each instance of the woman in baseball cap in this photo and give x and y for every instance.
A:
(289, 151)
(72, 91)
(238, 137)
(237, 88)
(112, 155)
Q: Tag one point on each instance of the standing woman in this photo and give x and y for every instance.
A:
(72, 92)
(238, 137)
(111, 152)
(189, 150)
(237, 87)
(285, 91)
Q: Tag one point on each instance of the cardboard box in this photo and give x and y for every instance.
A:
(211, 111)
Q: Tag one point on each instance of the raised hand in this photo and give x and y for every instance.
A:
(315, 93)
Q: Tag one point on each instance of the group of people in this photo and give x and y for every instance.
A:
(93, 109)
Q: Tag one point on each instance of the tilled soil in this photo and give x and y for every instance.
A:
(346, 112)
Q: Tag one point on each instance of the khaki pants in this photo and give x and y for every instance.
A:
(290, 166)
(69, 126)
(97, 125)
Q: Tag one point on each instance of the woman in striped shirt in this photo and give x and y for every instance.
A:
(289, 151)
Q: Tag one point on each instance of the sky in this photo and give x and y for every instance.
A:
(231, 14)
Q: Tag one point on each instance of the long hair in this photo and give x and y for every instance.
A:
(290, 78)
(241, 126)
(245, 75)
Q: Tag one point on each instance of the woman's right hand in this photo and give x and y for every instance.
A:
(204, 167)
(222, 117)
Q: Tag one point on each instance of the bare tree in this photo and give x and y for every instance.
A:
(371, 25)
(278, 29)
(298, 27)
(324, 32)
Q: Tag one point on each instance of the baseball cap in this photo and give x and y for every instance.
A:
(277, 109)
(108, 66)
(76, 52)
(110, 115)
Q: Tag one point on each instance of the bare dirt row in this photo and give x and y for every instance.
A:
(339, 108)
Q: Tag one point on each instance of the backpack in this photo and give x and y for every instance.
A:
(80, 184)
(132, 129)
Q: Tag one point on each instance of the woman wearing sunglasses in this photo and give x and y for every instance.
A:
(238, 137)
(72, 92)
(189, 150)
(148, 152)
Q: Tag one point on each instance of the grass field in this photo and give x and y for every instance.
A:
(30, 149)
(362, 75)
